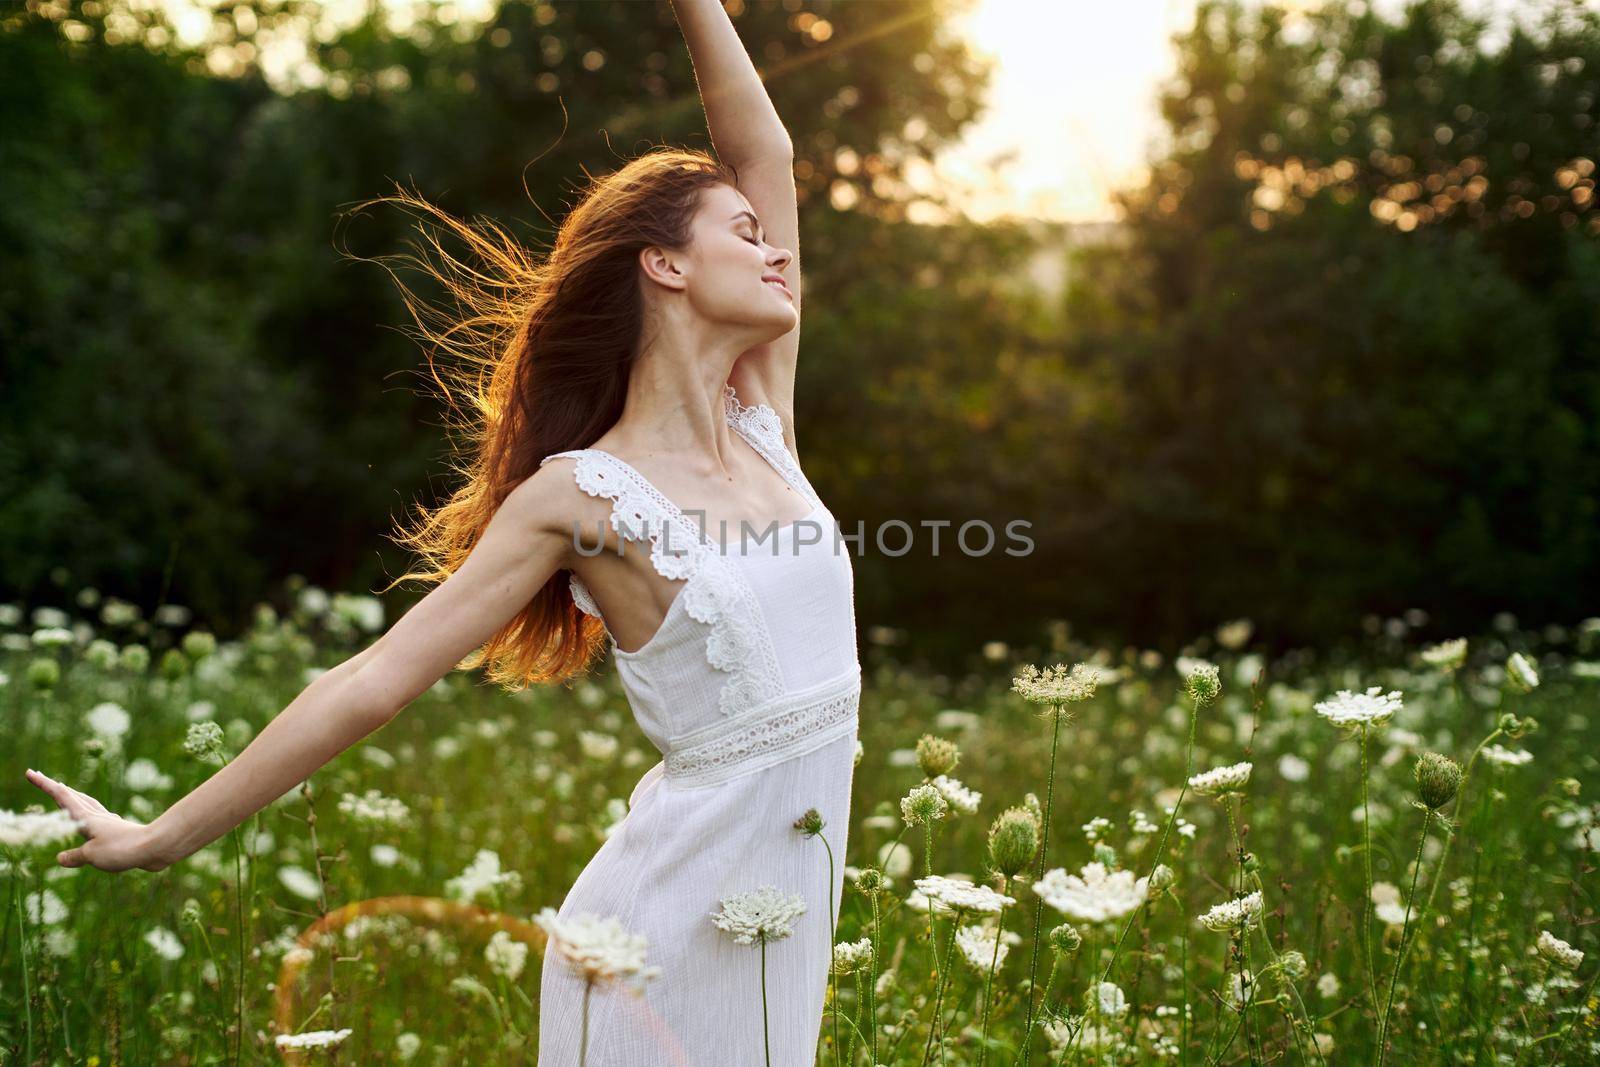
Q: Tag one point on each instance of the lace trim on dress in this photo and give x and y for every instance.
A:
(784, 729)
(760, 425)
(714, 594)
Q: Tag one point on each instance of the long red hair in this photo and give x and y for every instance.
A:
(538, 350)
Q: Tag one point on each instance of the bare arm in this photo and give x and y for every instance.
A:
(748, 134)
(525, 542)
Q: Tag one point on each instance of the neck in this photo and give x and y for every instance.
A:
(675, 395)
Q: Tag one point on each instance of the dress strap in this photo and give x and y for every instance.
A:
(760, 425)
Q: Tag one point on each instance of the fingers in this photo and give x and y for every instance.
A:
(72, 857)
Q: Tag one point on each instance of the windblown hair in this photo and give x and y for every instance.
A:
(538, 353)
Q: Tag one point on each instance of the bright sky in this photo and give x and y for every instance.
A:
(1072, 101)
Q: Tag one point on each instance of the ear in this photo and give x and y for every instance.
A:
(662, 266)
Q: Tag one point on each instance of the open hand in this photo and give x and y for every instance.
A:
(112, 842)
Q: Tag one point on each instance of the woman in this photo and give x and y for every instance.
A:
(641, 388)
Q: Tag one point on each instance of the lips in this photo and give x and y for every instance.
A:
(777, 280)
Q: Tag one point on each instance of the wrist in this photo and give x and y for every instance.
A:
(161, 846)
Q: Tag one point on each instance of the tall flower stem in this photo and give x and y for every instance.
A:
(1044, 846)
(1366, 896)
(872, 986)
(994, 963)
(238, 894)
(22, 935)
(833, 979)
(583, 1041)
(1288, 981)
(766, 1033)
(1049, 984)
(1405, 928)
(938, 999)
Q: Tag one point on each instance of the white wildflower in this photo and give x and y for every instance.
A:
(1232, 914)
(1292, 768)
(1056, 685)
(851, 956)
(164, 942)
(108, 720)
(142, 775)
(44, 908)
(1521, 673)
(1109, 1000)
(959, 796)
(1221, 781)
(34, 829)
(1507, 757)
(1558, 951)
(506, 955)
(597, 745)
(1386, 904)
(763, 914)
(1348, 709)
(1328, 985)
(313, 1039)
(597, 949)
(1095, 895)
(299, 881)
(372, 808)
(953, 894)
(483, 879)
(1446, 655)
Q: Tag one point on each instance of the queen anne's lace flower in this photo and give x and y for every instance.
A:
(1387, 905)
(1522, 673)
(33, 829)
(483, 878)
(1348, 709)
(978, 948)
(1507, 757)
(1222, 780)
(957, 795)
(372, 808)
(954, 894)
(1446, 655)
(850, 956)
(1095, 895)
(1056, 685)
(1232, 914)
(597, 949)
(506, 955)
(313, 1039)
(1558, 951)
(763, 914)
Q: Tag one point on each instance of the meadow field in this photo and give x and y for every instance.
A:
(1241, 864)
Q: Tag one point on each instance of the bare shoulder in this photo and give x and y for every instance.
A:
(549, 503)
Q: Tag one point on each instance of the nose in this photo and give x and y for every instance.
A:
(780, 258)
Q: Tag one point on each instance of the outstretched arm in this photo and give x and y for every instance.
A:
(523, 545)
(747, 134)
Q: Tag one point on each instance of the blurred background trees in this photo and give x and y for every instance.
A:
(1341, 356)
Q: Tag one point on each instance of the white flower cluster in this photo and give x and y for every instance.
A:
(506, 955)
(483, 878)
(850, 956)
(1095, 895)
(1232, 914)
(953, 894)
(1350, 710)
(372, 808)
(1558, 951)
(1507, 757)
(33, 829)
(597, 949)
(979, 947)
(1387, 905)
(1221, 781)
(957, 795)
(763, 914)
(1056, 685)
(313, 1039)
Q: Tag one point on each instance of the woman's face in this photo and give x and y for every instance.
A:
(728, 266)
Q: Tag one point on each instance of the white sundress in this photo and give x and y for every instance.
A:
(750, 690)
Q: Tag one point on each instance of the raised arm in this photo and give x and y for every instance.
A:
(747, 133)
(528, 539)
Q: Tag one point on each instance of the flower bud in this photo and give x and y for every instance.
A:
(810, 823)
(1065, 939)
(1203, 683)
(936, 756)
(1162, 877)
(1013, 838)
(1438, 778)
